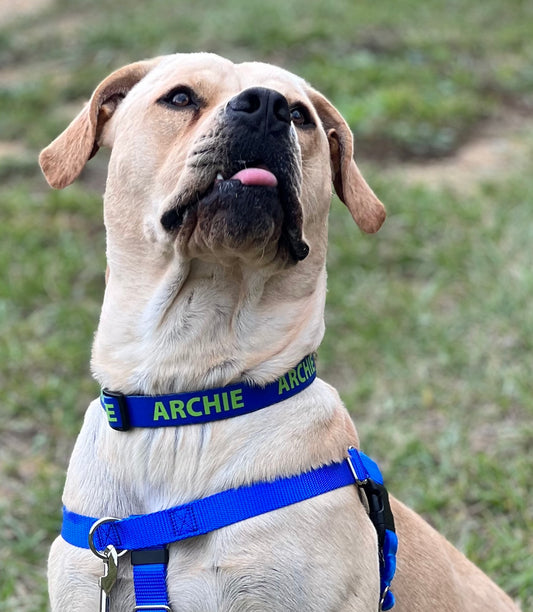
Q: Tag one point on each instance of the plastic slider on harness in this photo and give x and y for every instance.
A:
(378, 502)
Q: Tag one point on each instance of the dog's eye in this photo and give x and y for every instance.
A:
(180, 97)
(300, 116)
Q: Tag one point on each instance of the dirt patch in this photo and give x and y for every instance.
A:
(19, 75)
(501, 146)
(11, 149)
(13, 9)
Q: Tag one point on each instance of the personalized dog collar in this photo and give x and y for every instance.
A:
(127, 411)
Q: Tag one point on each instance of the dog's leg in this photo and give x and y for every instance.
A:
(73, 578)
(433, 575)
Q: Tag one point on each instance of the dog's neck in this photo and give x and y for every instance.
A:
(199, 325)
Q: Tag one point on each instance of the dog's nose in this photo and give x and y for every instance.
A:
(260, 108)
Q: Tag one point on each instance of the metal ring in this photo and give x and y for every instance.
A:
(383, 597)
(92, 530)
(358, 481)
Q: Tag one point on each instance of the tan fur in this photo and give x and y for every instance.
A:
(192, 311)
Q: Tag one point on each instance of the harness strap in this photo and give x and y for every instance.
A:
(150, 578)
(202, 516)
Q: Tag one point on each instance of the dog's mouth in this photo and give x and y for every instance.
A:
(250, 205)
(259, 176)
(250, 174)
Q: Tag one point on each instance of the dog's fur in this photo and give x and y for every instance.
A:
(211, 282)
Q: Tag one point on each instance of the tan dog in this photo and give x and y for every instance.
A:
(216, 211)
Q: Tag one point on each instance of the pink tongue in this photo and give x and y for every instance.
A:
(256, 176)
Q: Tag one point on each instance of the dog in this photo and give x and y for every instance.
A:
(216, 205)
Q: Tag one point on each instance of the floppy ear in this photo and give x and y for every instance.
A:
(366, 209)
(63, 160)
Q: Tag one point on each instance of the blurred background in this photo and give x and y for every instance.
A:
(429, 324)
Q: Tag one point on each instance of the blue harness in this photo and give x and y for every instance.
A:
(147, 536)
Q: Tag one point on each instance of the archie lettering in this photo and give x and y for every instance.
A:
(176, 407)
(196, 406)
(194, 413)
(110, 410)
(204, 406)
(297, 376)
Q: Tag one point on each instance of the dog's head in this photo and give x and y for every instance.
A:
(215, 160)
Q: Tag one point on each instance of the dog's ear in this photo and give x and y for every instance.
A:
(63, 160)
(366, 209)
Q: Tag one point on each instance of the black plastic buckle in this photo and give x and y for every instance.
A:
(121, 403)
(149, 556)
(380, 511)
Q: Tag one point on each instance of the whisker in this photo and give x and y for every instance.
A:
(200, 164)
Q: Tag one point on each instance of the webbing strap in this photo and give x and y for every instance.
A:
(207, 514)
(174, 410)
(150, 578)
(150, 582)
(199, 517)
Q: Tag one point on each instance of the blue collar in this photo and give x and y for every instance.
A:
(127, 411)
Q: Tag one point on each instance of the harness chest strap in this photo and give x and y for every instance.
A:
(156, 530)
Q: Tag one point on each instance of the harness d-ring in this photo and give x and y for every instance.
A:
(383, 597)
(92, 530)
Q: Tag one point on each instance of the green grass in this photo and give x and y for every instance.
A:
(430, 328)
(412, 77)
(429, 341)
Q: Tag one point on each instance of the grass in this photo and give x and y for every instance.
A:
(412, 78)
(431, 325)
(430, 328)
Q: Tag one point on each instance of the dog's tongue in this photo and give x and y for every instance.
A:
(256, 176)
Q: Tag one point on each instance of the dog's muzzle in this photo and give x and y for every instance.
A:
(245, 178)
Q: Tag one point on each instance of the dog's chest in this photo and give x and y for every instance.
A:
(290, 560)
(317, 555)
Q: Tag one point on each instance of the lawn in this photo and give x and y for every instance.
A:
(430, 329)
